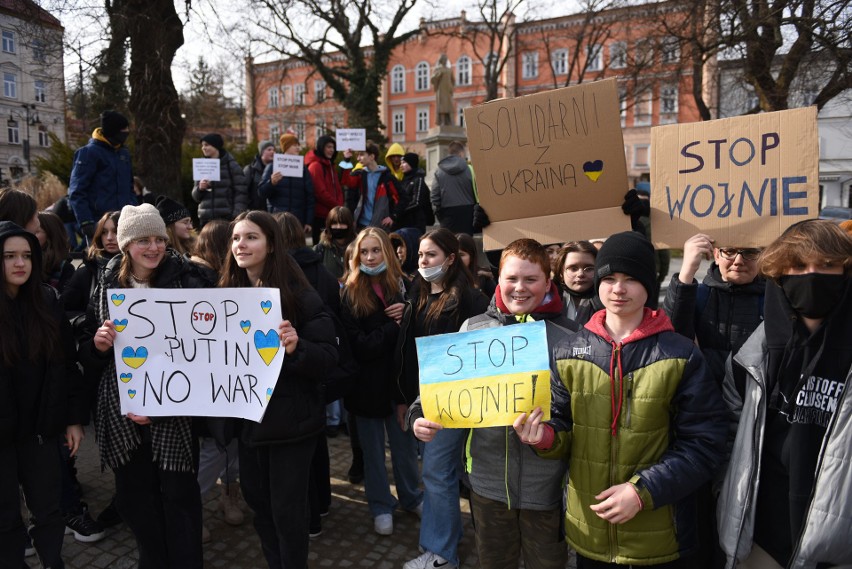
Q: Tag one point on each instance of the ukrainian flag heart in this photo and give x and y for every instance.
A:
(268, 393)
(266, 305)
(134, 358)
(267, 345)
(117, 299)
(125, 377)
(245, 326)
(131, 393)
(120, 325)
(593, 169)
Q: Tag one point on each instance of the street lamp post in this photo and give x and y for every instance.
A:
(30, 121)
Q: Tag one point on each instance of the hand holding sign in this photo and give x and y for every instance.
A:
(529, 429)
(205, 169)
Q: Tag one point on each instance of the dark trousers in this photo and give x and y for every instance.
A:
(586, 563)
(503, 533)
(162, 509)
(70, 502)
(275, 480)
(320, 485)
(33, 465)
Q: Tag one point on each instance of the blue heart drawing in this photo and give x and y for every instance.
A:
(131, 393)
(134, 358)
(268, 393)
(266, 305)
(125, 377)
(593, 169)
(117, 299)
(267, 345)
(120, 325)
(245, 325)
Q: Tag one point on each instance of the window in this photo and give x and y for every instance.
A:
(299, 127)
(398, 79)
(286, 98)
(669, 50)
(460, 111)
(622, 106)
(40, 91)
(39, 51)
(642, 109)
(398, 122)
(594, 58)
(274, 132)
(320, 126)
(43, 138)
(668, 104)
(10, 85)
(644, 53)
(8, 41)
(559, 62)
(319, 90)
(14, 137)
(618, 55)
(421, 75)
(530, 65)
(641, 156)
(272, 98)
(463, 71)
(423, 119)
(299, 95)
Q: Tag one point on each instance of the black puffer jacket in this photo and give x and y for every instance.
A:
(418, 213)
(726, 320)
(228, 197)
(373, 339)
(324, 283)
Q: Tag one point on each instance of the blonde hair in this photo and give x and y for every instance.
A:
(359, 287)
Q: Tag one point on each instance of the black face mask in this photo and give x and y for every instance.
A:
(338, 233)
(118, 138)
(813, 295)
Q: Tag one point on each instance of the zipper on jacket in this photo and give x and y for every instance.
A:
(629, 402)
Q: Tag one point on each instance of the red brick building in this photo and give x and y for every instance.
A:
(654, 75)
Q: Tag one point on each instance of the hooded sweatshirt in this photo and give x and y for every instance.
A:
(395, 149)
(327, 190)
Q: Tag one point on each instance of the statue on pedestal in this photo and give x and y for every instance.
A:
(443, 83)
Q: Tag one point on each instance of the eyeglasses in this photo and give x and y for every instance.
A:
(576, 269)
(146, 242)
(730, 253)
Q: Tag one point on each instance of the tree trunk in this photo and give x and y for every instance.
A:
(156, 33)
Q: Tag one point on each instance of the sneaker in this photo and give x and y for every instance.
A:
(109, 516)
(84, 528)
(429, 560)
(315, 532)
(383, 524)
(417, 510)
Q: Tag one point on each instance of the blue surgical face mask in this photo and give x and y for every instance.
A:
(373, 271)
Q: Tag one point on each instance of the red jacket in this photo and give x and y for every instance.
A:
(327, 188)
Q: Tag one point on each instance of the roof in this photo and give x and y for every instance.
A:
(29, 11)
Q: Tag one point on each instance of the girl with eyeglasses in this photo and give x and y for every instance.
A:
(574, 275)
(153, 462)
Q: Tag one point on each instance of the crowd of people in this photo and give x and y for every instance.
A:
(712, 432)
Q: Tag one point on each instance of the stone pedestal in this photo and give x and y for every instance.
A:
(437, 142)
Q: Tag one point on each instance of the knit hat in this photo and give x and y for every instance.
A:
(412, 159)
(112, 123)
(214, 140)
(263, 145)
(287, 140)
(170, 210)
(137, 222)
(630, 253)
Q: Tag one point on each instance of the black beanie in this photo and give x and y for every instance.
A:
(630, 253)
(112, 123)
(412, 159)
(170, 210)
(214, 140)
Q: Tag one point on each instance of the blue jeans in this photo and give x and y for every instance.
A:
(333, 415)
(441, 526)
(403, 447)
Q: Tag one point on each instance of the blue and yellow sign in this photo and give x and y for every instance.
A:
(484, 378)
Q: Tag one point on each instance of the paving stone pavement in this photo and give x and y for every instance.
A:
(347, 541)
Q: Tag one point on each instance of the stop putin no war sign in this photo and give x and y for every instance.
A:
(196, 352)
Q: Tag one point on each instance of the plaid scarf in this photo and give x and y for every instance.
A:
(118, 437)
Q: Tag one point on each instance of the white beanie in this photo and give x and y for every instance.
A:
(137, 222)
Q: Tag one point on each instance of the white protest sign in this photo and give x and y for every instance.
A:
(288, 165)
(351, 138)
(205, 169)
(178, 355)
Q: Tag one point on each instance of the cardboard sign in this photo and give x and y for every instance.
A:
(742, 180)
(351, 138)
(177, 355)
(289, 165)
(550, 166)
(484, 378)
(205, 169)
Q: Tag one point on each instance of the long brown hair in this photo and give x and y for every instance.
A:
(456, 279)
(96, 249)
(359, 288)
(810, 240)
(55, 249)
(338, 215)
(212, 243)
(280, 270)
(17, 206)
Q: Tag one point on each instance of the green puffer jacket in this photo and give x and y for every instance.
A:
(644, 411)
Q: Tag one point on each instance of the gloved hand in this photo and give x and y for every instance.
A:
(88, 230)
(634, 206)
